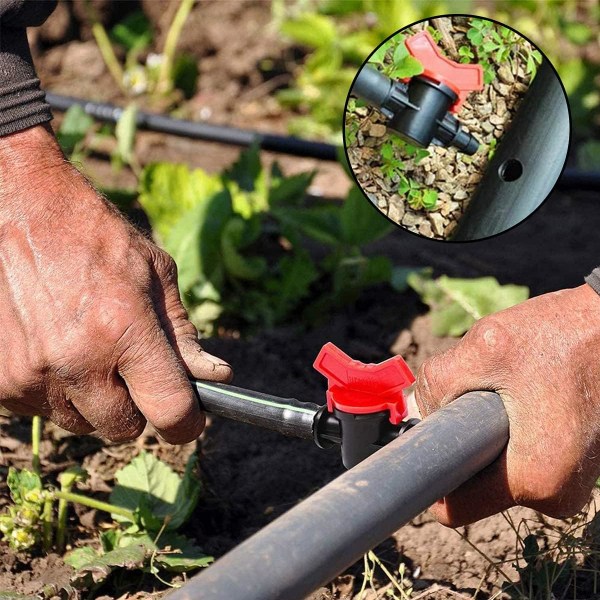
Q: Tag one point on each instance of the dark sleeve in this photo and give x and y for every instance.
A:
(22, 102)
(593, 280)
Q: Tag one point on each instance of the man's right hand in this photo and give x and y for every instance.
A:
(92, 329)
(541, 357)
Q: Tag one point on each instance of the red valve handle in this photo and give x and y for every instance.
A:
(462, 79)
(358, 388)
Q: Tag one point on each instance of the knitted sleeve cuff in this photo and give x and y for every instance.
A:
(593, 280)
(22, 102)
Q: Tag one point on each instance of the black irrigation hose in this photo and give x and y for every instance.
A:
(200, 131)
(319, 538)
(527, 162)
(571, 178)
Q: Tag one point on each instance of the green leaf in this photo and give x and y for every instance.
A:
(73, 129)
(149, 483)
(531, 548)
(295, 275)
(361, 222)
(168, 190)
(409, 67)
(401, 52)
(236, 264)
(310, 29)
(88, 562)
(134, 32)
(379, 55)
(246, 169)
(179, 554)
(21, 482)
(290, 190)
(185, 74)
(125, 133)
(429, 200)
(456, 304)
(322, 223)
(399, 278)
(194, 241)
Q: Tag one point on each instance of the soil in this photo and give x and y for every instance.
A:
(252, 476)
(486, 114)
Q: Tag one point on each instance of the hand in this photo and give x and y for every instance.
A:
(92, 329)
(543, 358)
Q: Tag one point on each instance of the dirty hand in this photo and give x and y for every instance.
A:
(542, 357)
(92, 329)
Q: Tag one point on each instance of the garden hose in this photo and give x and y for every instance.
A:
(323, 535)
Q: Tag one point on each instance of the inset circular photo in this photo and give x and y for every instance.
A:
(457, 128)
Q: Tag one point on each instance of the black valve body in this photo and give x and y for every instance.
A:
(418, 111)
(433, 100)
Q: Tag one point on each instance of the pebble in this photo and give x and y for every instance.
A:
(382, 203)
(377, 130)
(411, 219)
(487, 127)
(438, 223)
(501, 107)
(460, 195)
(501, 88)
(396, 210)
(505, 74)
(496, 120)
(429, 179)
(425, 229)
(449, 228)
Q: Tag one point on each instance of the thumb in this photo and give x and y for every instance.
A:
(181, 332)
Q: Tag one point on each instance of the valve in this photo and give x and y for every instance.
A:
(421, 109)
(367, 399)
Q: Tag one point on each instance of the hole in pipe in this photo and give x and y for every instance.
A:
(510, 170)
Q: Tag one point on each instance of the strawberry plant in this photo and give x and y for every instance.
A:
(457, 303)
(148, 505)
(245, 243)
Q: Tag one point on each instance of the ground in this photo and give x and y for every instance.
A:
(252, 476)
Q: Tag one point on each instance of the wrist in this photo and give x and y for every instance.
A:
(34, 174)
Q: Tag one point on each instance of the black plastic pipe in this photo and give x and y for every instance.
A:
(571, 178)
(200, 131)
(526, 165)
(287, 416)
(319, 538)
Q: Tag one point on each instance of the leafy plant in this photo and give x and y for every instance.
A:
(496, 45)
(161, 75)
(456, 304)
(218, 227)
(149, 503)
(338, 47)
(394, 59)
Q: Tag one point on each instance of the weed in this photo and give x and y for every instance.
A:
(496, 45)
(399, 588)
(162, 75)
(148, 504)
